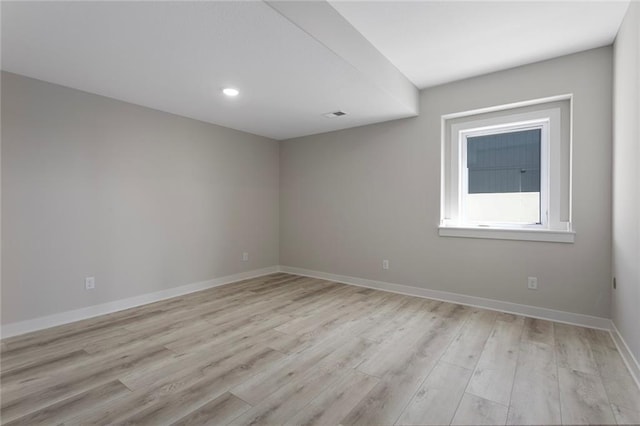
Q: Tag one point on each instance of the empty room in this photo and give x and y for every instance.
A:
(320, 212)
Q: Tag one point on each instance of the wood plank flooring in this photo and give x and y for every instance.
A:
(285, 349)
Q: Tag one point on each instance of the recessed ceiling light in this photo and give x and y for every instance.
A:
(230, 91)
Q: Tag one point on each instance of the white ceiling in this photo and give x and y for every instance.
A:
(292, 61)
(177, 57)
(434, 42)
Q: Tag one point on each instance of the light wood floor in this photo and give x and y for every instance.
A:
(288, 349)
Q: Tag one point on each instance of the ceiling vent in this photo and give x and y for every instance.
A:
(335, 114)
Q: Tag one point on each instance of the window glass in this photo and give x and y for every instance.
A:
(503, 177)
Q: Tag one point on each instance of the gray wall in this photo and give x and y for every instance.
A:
(626, 180)
(141, 199)
(146, 201)
(351, 198)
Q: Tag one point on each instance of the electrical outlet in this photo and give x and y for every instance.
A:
(385, 264)
(89, 283)
(532, 283)
(245, 257)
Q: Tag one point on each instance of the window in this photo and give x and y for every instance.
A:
(501, 176)
(503, 173)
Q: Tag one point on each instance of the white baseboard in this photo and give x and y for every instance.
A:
(627, 356)
(22, 327)
(462, 299)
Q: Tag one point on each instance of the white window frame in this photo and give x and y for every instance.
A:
(463, 135)
(455, 179)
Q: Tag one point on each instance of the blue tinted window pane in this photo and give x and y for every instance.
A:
(505, 162)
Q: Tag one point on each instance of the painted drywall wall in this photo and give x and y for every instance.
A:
(350, 199)
(626, 180)
(142, 200)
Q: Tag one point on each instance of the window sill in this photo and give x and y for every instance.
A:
(552, 236)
